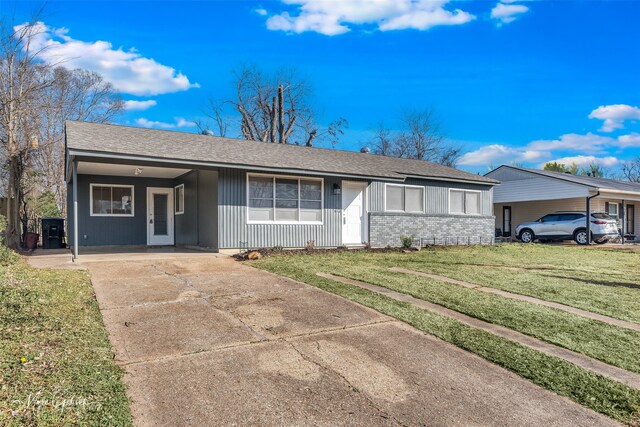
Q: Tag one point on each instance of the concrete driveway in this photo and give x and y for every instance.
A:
(205, 340)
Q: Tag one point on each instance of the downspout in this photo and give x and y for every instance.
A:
(198, 207)
(589, 216)
(75, 209)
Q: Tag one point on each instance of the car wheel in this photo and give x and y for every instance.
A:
(581, 237)
(526, 236)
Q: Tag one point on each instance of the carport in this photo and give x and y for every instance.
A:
(126, 201)
(528, 194)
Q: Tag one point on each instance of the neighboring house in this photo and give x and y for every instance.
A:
(134, 186)
(528, 194)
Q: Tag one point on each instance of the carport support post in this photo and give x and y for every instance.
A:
(623, 221)
(589, 219)
(589, 216)
(75, 210)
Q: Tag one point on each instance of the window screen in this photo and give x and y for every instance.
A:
(404, 198)
(457, 202)
(464, 202)
(395, 198)
(111, 200)
(414, 199)
(284, 199)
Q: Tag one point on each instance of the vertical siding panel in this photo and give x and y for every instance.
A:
(233, 218)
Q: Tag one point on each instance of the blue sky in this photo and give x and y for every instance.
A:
(512, 81)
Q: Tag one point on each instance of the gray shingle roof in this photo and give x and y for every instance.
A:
(599, 183)
(161, 144)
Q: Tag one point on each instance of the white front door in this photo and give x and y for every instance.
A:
(159, 216)
(354, 213)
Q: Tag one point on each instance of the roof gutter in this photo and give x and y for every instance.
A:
(621, 192)
(463, 181)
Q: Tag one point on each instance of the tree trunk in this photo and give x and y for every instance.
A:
(274, 113)
(13, 204)
(281, 115)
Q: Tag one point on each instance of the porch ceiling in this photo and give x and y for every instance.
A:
(111, 169)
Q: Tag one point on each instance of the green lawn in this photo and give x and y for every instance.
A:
(56, 363)
(601, 281)
(614, 345)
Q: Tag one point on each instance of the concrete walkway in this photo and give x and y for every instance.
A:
(573, 310)
(629, 378)
(205, 340)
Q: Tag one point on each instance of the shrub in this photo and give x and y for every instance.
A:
(7, 256)
(407, 241)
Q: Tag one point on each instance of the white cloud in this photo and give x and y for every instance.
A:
(499, 154)
(588, 143)
(261, 11)
(586, 160)
(134, 105)
(127, 70)
(615, 115)
(506, 12)
(338, 17)
(179, 123)
(631, 140)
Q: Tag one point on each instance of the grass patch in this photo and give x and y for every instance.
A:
(601, 281)
(591, 390)
(611, 344)
(56, 363)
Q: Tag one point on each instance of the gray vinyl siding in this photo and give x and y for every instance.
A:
(523, 186)
(436, 195)
(234, 232)
(198, 225)
(215, 213)
(187, 223)
(106, 230)
(208, 208)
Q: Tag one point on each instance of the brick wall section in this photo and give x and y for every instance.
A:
(385, 228)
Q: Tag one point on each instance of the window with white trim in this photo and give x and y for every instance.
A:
(179, 199)
(111, 200)
(404, 198)
(464, 202)
(273, 198)
(611, 209)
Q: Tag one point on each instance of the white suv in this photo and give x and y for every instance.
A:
(569, 226)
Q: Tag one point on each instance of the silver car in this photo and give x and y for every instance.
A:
(569, 226)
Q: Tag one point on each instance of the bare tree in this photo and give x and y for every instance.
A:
(420, 137)
(274, 108)
(631, 170)
(21, 84)
(72, 95)
(215, 118)
(382, 140)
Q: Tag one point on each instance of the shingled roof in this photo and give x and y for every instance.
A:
(87, 138)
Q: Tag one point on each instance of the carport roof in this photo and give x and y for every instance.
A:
(602, 184)
(115, 141)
